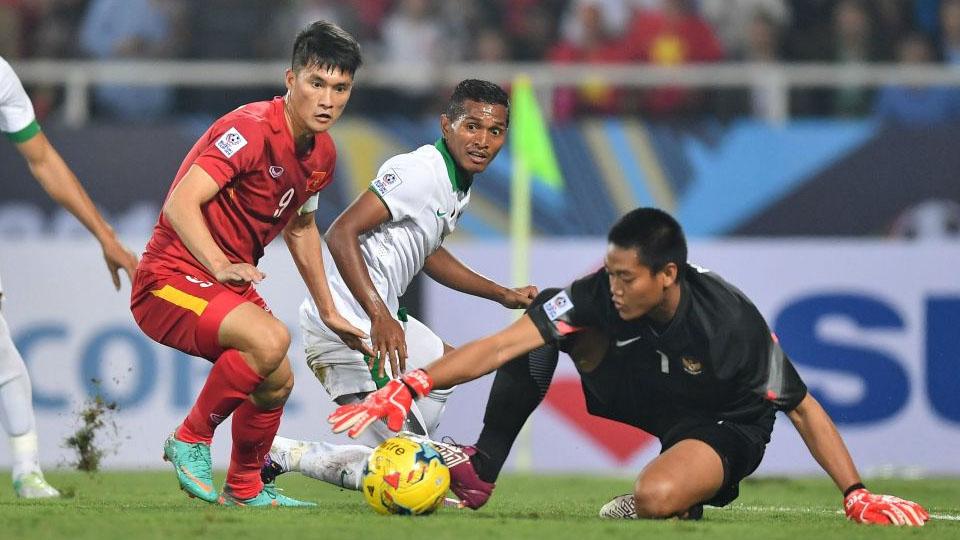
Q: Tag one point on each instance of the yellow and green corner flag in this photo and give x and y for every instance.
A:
(530, 144)
(532, 158)
(531, 152)
(532, 155)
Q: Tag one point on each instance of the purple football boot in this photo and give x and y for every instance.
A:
(464, 481)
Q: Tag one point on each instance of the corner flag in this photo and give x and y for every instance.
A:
(530, 137)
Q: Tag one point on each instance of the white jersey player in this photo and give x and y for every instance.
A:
(375, 248)
(423, 204)
(18, 123)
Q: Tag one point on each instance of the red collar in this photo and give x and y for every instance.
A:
(275, 117)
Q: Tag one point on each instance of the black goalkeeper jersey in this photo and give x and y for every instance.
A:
(715, 361)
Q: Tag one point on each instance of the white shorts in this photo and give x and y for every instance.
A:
(342, 370)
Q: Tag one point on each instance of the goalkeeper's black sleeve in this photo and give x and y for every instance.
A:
(518, 388)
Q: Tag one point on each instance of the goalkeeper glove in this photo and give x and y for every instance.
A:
(392, 402)
(865, 507)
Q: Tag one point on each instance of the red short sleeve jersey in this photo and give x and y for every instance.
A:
(250, 153)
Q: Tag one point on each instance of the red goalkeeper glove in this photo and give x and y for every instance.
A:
(865, 507)
(392, 402)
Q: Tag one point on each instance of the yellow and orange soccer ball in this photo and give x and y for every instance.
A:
(406, 477)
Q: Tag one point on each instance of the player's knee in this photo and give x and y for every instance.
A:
(11, 363)
(276, 394)
(283, 392)
(271, 347)
(655, 499)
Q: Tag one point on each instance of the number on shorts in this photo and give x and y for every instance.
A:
(203, 284)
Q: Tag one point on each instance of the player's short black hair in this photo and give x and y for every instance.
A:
(475, 90)
(325, 44)
(657, 237)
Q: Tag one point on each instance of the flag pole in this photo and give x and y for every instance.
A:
(520, 263)
(520, 225)
(532, 158)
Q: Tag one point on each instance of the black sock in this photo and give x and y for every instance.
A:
(518, 388)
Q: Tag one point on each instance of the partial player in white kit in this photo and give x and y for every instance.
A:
(18, 123)
(377, 245)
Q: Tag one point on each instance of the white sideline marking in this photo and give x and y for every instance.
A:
(939, 517)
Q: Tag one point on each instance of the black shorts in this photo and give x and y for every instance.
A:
(739, 449)
(612, 391)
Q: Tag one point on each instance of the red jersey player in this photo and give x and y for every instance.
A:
(254, 173)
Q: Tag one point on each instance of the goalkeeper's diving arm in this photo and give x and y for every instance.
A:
(477, 358)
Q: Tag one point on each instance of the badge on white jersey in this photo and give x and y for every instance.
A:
(386, 183)
(558, 305)
(230, 142)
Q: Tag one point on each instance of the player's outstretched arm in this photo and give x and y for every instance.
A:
(364, 214)
(822, 438)
(485, 355)
(183, 210)
(56, 178)
(473, 360)
(451, 272)
(303, 241)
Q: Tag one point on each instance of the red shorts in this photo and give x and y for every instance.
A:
(185, 312)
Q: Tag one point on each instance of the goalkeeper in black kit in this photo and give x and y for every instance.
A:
(659, 344)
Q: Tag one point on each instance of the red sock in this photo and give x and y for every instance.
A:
(230, 382)
(253, 432)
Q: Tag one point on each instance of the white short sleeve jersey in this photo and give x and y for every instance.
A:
(310, 205)
(426, 194)
(17, 120)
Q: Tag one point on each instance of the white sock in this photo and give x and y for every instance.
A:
(286, 453)
(26, 456)
(16, 407)
(431, 407)
(341, 465)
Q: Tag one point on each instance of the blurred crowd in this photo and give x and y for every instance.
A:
(430, 33)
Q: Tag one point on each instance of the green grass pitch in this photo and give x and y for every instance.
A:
(133, 505)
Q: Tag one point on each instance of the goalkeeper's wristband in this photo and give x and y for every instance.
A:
(851, 489)
(418, 382)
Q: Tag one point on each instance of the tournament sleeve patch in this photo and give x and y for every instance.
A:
(386, 183)
(558, 305)
(230, 142)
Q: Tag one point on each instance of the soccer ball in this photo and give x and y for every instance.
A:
(406, 477)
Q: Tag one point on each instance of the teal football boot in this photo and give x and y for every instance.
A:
(193, 465)
(269, 496)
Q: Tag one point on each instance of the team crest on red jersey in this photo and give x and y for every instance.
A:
(317, 181)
